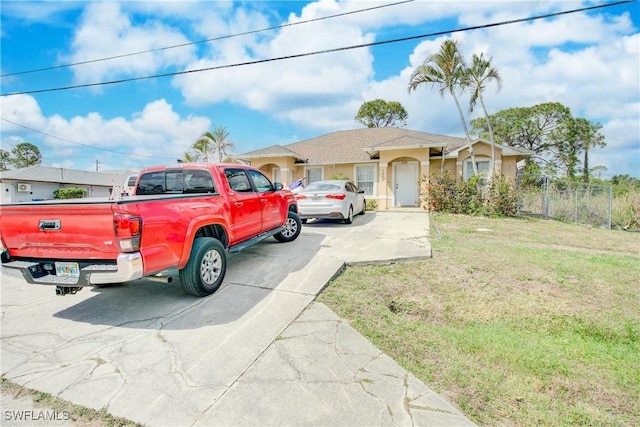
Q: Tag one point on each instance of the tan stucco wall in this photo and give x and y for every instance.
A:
(384, 185)
(385, 171)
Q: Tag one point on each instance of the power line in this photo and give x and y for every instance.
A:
(207, 40)
(339, 49)
(79, 143)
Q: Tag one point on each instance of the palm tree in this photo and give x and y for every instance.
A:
(221, 141)
(203, 147)
(446, 69)
(210, 143)
(480, 73)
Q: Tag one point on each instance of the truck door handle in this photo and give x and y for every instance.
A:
(238, 204)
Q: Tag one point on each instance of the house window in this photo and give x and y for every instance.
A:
(313, 174)
(366, 178)
(482, 165)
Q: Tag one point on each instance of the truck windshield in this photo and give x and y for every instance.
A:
(175, 182)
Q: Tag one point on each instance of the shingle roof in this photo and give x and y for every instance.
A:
(273, 151)
(349, 146)
(65, 176)
(358, 145)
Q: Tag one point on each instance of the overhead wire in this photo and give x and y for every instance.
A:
(79, 143)
(276, 27)
(173, 47)
(320, 52)
(495, 24)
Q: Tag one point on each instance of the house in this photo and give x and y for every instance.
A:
(388, 163)
(39, 182)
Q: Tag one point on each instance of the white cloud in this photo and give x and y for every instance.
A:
(298, 90)
(106, 31)
(157, 134)
(589, 62)
(20, 109)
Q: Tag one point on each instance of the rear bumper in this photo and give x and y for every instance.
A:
(128, 267)
(308, 214)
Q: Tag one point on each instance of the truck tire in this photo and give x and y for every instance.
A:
(291, 228)
(206, 268)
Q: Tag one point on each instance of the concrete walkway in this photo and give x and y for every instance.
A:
(258, 352)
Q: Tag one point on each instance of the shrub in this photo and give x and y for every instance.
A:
(70, 193)
(625, 212)
(501, 198)
(340, 176)
(445, 193)
(371, 205)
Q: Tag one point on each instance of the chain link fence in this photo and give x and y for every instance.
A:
(565, 201)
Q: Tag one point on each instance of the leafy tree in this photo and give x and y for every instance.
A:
(5, 160)
(446, 70)
(380, 113)
(479, 74)
(573, 138)
(559, 140)
(25, 155)
(588, 133)
(209, 145)
(526, 127)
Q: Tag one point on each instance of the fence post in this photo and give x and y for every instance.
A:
(575, 213)
(545, 206)
(610, 204)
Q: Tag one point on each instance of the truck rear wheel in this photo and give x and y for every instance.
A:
(291, 228)
(206, 268)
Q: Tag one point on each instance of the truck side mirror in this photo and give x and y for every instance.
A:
(277, 186)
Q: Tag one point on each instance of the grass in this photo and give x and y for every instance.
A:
(515, 321)
(77, 414)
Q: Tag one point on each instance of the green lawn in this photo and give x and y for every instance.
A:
(515, 321)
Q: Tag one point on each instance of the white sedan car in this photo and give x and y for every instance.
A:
(333, 199)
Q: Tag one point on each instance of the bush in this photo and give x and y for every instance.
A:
(625, 212)
(501, 198)
(445, 193)
(371, 205)
(70, 193)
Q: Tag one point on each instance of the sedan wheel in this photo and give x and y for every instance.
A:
(349, 218)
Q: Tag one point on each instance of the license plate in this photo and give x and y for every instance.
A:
(67, 269)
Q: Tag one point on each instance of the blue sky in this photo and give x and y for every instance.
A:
(588, 61)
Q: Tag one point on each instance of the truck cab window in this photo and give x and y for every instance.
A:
(261, 182)
(238, 180)
(198, 182)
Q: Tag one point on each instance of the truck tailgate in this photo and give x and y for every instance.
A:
(59, 231)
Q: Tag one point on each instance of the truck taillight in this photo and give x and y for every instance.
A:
(128, 230)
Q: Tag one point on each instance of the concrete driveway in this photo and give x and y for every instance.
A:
(257, 352)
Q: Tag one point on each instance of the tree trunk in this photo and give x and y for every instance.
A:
(466, 133)
(492, 169)
(585, 166)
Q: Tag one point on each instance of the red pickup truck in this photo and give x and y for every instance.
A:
(184, 216)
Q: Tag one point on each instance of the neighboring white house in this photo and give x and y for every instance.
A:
(39, 182)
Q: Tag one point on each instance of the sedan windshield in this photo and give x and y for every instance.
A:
(322, 186)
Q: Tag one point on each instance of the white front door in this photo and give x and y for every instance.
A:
(406, 183)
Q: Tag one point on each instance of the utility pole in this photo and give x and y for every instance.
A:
(97, 163)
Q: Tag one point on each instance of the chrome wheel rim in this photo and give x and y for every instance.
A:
(289, 228)
(210, 267)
